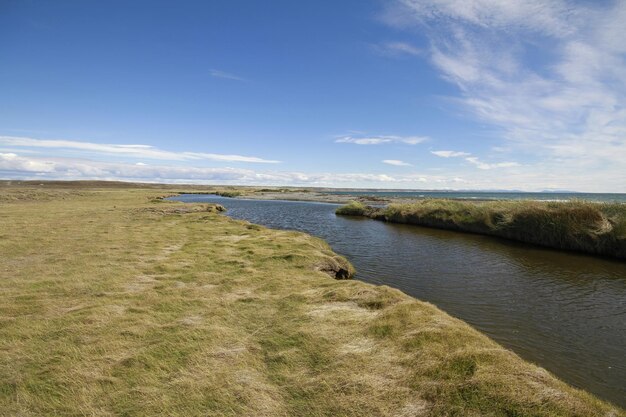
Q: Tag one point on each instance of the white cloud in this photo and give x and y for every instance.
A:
(483, 165)
(548, 17)
(474, 160)
(23, 167)
(225, 75)
(395, 162)
(379, 140)
(449, 154)
(134, 151)
(549, 76)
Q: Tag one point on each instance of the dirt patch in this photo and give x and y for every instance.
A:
(336, 267)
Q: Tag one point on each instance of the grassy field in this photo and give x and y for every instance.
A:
(116, 303)
(596, 228)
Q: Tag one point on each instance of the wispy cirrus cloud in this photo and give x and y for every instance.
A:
(379, 140)
(449, 154)
(396, 162)
(484, 165)
(225, 75)
(474, 160)
(126, 150)
(549, 76)
(397, 49)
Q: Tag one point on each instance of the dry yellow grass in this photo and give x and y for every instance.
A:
(115, 303)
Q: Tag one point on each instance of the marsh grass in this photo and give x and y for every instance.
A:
(113, 302)
(228, 193)
(357, 208)
(353, 208)
(597, 228)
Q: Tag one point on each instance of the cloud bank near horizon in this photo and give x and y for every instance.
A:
(34, 166)
(30, 167)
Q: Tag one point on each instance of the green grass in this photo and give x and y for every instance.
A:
(113, 302)
(596, 228)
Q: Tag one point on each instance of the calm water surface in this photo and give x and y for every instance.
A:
(565, 312)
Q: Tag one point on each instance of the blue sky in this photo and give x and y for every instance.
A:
(426, 94)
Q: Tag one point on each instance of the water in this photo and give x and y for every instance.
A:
(495, 195)
(563, 311)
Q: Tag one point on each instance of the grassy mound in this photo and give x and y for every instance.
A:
(115, 303)
(354, 208)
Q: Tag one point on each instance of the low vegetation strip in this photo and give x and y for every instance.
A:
(595, 228)
(115, 302)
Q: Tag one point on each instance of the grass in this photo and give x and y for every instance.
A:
(357, 208)
(228, 193)
(114, 302)
(353, 208)
(596, 228)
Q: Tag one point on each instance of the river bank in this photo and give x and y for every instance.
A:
(116, 302)
(593, 228)
(572, 325)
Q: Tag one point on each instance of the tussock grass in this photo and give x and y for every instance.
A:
(113, 302)
(357, 208)
(228, 193)
(353, 208)
(596, 228)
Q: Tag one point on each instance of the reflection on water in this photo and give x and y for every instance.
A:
(563, 311)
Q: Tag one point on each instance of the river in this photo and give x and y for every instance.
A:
(565, 312)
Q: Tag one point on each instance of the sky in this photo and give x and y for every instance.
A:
(401, 94)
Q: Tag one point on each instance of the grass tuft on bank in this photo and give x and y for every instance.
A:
(228, 193)
(596, 228)
(353, 208)
(113, 302)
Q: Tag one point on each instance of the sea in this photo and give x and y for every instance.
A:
(491, 195)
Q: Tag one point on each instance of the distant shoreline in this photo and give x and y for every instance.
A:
(385, 198)
(332, 195)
